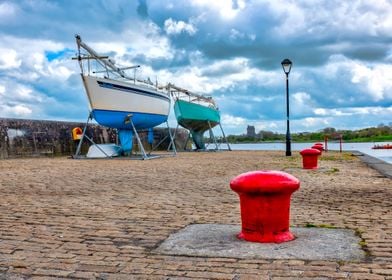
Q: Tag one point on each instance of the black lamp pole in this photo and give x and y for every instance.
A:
(286, 65)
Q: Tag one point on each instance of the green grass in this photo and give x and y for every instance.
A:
(362, 243)
(381, 138)
(335, 156)
(310, 225)
(332, 170)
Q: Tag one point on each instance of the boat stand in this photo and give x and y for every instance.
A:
(224, 137)
(212, 138)
(144, 155)
(187, 139)
(84, 135)
(171, 146)
(127, 120)
(174, 137)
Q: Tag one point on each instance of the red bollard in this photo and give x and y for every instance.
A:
(318, 147)
(309, 158)
(265, 205)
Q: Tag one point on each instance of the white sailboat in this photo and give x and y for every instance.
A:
(115, 96)
(117, 100)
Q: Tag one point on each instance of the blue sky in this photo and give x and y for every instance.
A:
(341, 53)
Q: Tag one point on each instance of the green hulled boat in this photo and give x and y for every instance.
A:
(196, 113)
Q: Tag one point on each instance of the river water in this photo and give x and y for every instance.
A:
(383, 154)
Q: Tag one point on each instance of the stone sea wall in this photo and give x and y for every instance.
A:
(26, 138)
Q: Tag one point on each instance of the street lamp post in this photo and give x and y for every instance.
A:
(286, 65)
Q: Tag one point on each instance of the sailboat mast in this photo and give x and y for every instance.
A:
(99, 58)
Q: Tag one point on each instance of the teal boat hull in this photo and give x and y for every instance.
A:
(197, 119)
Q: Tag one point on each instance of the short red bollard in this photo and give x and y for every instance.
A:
(265, 205)
(309, 158)
(318, 147)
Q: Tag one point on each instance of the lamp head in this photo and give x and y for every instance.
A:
(286, 65)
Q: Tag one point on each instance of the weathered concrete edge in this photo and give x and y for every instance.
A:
(381, 166)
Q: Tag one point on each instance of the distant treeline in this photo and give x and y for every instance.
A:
(373, 134)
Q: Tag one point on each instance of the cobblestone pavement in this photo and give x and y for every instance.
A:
(102, 219)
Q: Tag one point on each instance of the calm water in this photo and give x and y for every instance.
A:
(385, 155)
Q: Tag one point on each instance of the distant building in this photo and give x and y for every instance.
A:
(251, 131)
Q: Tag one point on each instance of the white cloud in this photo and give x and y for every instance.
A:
(227, 67)
(371, 111)
(207, 78)
(149, 43)
(264, 125)
(319, 18)
(273, 125)
(292, 18)
(376, 79)
(229, 120)
(373, 79)
(22, 93)
(120, 48)
(58, 71)
(27, 46)
(331, 112)
(29, 63)
(320, 112)
(7, 9)
(302, 98)
(9, 58)
(314, 122)
(301, 103)
(235, 34)
(351, 111)
(22, 110)
(204, 77)
(344, 118)
(15, 111)
(177, 27)
(224, 8)
(23, 101)
(372, 18)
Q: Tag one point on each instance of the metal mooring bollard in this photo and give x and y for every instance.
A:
(309, 158)
(265, 205)
(318, 147)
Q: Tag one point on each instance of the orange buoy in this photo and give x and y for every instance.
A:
(77, 133)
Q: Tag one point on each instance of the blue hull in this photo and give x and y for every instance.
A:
(115, 119)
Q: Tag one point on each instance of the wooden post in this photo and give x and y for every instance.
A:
(326, 143)
(340, 141)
